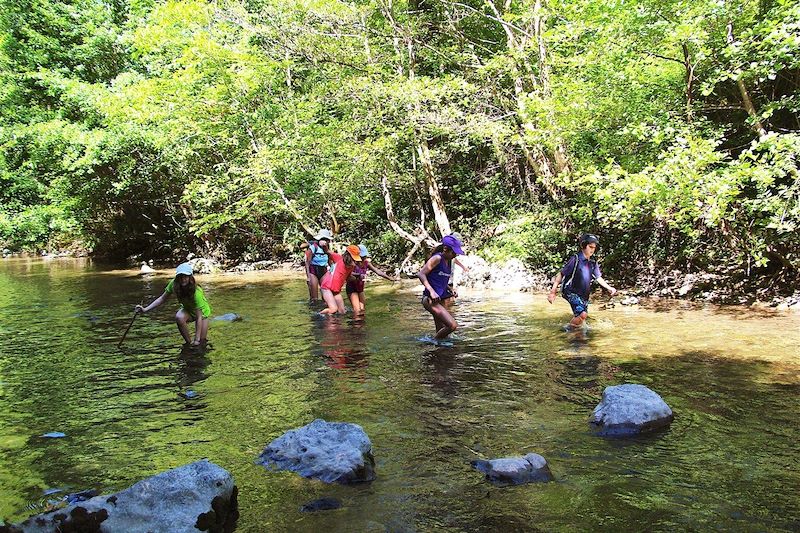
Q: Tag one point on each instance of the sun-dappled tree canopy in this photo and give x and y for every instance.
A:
(236, 128)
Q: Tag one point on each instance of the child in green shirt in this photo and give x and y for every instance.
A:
(194, 305)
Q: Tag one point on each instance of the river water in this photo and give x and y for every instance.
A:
(512, 383)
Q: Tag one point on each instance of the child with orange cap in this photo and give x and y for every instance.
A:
(333, 281)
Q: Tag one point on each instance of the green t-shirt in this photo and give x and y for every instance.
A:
(188, 305)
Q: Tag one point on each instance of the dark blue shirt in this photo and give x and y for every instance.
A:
(586, 271)
(439, 277)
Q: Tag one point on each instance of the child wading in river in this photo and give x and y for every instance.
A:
(576, 278)
(355, 283)
(435, 277)
(194, 305)
(316, 261)
(333, 281)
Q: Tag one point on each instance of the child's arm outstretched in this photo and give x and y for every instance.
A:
(606, 286)
(457, 262)
(155, 303)
(381, 273)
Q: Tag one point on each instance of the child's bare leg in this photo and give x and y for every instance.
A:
(445, 324)
(363, 301)
(330, 301)
(355, 303)
(340, 308)
(313, 287)
(204, 323)
(182, 318)
(577, 321)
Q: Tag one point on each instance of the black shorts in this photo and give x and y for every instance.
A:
(318, 271)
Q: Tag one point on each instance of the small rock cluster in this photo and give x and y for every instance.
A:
(202, 496)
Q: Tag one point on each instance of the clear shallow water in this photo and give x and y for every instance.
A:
(512, 383)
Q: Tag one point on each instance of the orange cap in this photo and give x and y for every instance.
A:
(354, 252)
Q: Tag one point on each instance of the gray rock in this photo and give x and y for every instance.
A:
(628, 410)
(630, 300)
(515, 470)
(197, 497)
(333, 452)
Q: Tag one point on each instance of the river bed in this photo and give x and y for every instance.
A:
(512, 383)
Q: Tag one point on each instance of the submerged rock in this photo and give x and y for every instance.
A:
(200, 496)
(515, 470)
(229, 317)
(628, 410)
(630, 300)
(322, 504)
(333, 452)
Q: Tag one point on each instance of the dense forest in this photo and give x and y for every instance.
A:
(234, 129)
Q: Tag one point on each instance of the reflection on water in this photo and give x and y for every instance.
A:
(512, 383)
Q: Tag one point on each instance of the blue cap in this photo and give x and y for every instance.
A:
(363, 250)
(453, 243)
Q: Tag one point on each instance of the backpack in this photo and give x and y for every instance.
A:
(566, 283)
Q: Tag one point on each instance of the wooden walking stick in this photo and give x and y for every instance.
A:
(135, 314)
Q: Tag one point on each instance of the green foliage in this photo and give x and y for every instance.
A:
(238, 127)
(533, 236)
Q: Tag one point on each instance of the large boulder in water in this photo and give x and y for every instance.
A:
(628, 410)
(333, 452)
(200, 496)
(515, 470)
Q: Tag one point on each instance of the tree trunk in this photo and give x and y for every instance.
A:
(758, 127)
(561, 159)
(687, 63)
(439, 212)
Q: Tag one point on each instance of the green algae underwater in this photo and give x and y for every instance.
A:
(512, 383)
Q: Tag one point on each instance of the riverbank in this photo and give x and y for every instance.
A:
(513, 275)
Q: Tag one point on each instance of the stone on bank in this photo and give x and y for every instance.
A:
(200, 496)
(628, 410)
(506, 471)
(333, 452)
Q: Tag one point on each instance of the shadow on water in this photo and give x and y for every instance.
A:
(510, 384)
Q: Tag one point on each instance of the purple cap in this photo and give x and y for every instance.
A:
(453, 243)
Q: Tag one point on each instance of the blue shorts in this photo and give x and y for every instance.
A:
(578, 303)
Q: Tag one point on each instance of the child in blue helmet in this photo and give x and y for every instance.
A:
(355, 283)
(576, 278)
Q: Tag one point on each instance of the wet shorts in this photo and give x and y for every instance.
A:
(445, 296)
(578, 304)
(319, 271)
(355, 286)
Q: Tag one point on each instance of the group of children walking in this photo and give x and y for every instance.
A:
(328, 272)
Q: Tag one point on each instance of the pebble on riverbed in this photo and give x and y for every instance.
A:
(508, 471)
